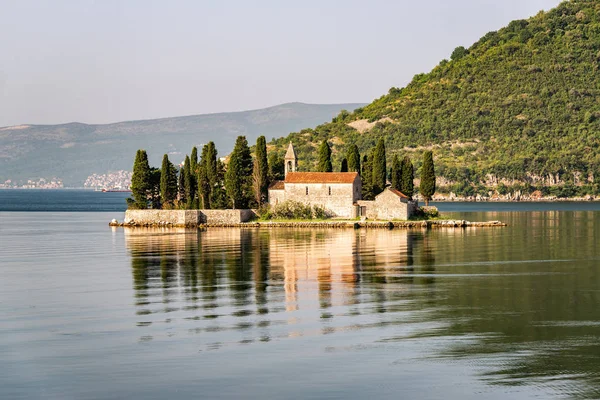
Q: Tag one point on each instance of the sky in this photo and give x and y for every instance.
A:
(101, 61)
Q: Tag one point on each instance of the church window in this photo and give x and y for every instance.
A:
(330, 190)
(307, 190)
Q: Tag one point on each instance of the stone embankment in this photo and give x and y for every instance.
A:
(431, 224)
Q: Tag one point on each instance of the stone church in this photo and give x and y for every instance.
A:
(339, 193)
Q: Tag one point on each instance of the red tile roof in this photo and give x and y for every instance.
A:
(277, 185)
(398, 193)
(320, 177)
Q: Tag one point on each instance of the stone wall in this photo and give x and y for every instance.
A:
(336, 198)
(161, 217)
(186, 217)
(388, 206)
(218, 217)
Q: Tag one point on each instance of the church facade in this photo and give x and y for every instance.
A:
(339, 193)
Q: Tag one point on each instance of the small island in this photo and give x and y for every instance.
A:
(261, 191)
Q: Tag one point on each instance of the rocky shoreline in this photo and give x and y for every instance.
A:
(516, 197)
(429, 224)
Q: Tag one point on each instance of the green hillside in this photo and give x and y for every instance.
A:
(74, 151)
(520, 107)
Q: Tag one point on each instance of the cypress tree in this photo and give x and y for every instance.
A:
(379, 168)
(427, 186)
(260, 174)
(189, 184)
(204, 189)
(344, 166)
(324, 158)
(181, 187)
(238, 177)
(219, 198)
(140, 181)
(353, 157)
(206, 175)
(396, 173)
(408, 176)
(367, 184)
(154, 194)
(168, 183)
(276, 167)
(210, 163)
(194, 161)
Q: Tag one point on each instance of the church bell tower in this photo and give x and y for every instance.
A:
(291, 161)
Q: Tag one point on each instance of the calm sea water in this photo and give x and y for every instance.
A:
(88, 311)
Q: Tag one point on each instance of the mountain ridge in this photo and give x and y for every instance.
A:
(74, 150)
(520, 107)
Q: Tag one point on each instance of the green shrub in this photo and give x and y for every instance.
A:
(292, 210)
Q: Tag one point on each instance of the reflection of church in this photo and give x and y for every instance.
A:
(339, 193)
(331, 263)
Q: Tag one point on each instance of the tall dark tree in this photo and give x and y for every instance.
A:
(408, 177)
(207, 175)
(324, 158)
(276, 167)
(140, 181)
(344, 166)
(260, 173)
(189, 183)
(219, 198)
(353, 157)
(367, 173)
(379, 168)
(154, 193)
(181, 187)
(427, 186)
(396, 173)
(238, 177)
(194, 161)
(204, 189)
(168, 183)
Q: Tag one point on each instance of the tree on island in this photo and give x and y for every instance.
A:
(276, 167)
(219, 198)
(238, 177)
(154, 192)
(168, 183)
(353, 157)
(189, 183)
(367, 184)
(181, 187)
(324, 158)
(207, 175)
(344, 166)
(379, 168)
(396, 173)
(427, 186)
(140, 181)
(260, 173)
(408, 177)
(194, 161)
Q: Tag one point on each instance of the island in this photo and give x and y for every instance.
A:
(322, 198)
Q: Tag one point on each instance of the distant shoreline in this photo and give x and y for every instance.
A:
(590, 199)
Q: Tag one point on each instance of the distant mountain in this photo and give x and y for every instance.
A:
(519, 109)
(73, 151)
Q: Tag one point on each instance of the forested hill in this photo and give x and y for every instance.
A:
(520, 105)
(73, 151)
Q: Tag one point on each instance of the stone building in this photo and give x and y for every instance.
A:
(339, 193)
(389, 204)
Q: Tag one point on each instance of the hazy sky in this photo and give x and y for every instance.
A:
(106, 61)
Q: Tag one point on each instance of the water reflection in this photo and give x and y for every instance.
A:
(519, 305)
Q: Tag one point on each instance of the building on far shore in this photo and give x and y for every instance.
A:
(339, 193)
